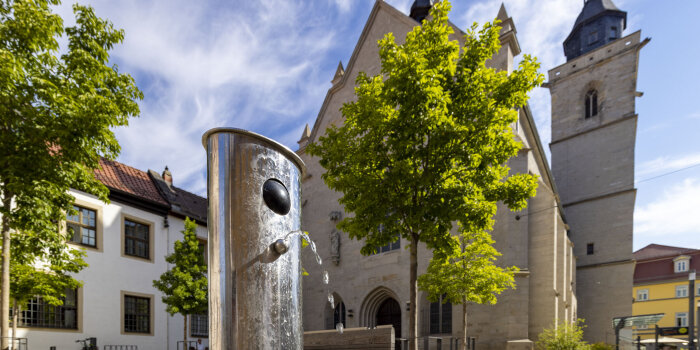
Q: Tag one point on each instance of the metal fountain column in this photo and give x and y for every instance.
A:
(254, 191)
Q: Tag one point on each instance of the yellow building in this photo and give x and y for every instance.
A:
(661, 285)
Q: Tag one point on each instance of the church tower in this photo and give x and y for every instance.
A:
(594, 126)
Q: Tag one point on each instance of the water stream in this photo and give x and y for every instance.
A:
(325, 279)
(312, 245)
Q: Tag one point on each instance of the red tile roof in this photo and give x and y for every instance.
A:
(121, 177)
(655, 263)
(653, 251)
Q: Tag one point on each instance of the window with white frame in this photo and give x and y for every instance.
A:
(681, 264)
(642, 294)
(681, 291)
(681, 319)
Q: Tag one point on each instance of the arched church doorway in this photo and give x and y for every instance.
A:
(389, 312)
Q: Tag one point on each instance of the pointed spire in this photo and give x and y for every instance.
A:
(595, 14)
(502, 14)
(307, 132)
(339, 72)
(305, 137)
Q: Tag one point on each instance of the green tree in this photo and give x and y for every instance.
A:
(425, 144)
(184, 286)
(57, 112)
(566, 336)
(47, 277)
(467, 275)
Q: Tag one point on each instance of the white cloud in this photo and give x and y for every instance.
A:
(666, 164)
(402, 5)
(673, 214)
(253, 65)
(343, 5)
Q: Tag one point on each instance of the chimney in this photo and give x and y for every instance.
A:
(167, 176)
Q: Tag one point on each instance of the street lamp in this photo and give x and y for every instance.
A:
(691, 310)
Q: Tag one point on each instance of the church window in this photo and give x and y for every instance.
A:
(591, 104)
(440, 316)
(339, 314)
(590, 249)
(395, 245)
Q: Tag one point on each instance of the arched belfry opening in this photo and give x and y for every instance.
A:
(591, 104)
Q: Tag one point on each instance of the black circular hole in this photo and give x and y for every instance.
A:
(276, 196)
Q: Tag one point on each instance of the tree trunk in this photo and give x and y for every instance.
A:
(15, 318)
(464, 323)
(5, 280)
(413, 313)
(186, 347)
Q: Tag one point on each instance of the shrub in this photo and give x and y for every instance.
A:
(565, 336)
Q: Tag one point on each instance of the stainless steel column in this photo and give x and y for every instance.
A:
(254, 190)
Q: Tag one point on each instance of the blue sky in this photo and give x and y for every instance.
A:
(265, 66)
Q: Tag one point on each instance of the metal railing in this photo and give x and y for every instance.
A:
(17, 343)
(437, 343)
(191, 344)
(120, 347)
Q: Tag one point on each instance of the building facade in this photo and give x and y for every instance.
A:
(374, 290)
(126, 242)
(661, 286)
(594, 126)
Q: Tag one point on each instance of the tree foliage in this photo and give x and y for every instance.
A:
(565, 336)
(58, 107)
(184, 286)
(426, 142)
(469, 273)
(47, 276)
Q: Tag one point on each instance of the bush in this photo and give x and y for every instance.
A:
(602, 346)
(563, 337)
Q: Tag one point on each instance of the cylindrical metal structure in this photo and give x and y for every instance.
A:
(691, 310)
(254, 190)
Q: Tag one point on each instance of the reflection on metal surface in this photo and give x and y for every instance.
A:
(254, 267)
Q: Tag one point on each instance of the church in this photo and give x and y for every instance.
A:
(573, 242)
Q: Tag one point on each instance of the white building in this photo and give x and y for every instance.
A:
(126, 243)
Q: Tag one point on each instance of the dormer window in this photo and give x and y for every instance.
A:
(591, 103)
(681, 264)
(593, 37)
(613, 33)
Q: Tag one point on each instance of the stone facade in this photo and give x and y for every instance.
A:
(593, 164)
(535, 239)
